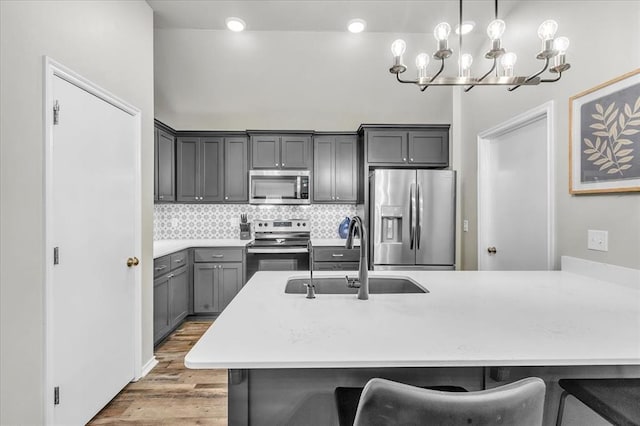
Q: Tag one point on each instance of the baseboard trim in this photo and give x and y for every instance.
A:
(147, 368)
(627, 277)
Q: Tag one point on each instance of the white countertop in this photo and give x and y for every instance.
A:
(163, 247)
(331, 242)
(469, 318)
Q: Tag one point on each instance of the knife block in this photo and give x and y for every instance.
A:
(245, 231)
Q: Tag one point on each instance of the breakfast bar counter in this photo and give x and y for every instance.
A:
(286, 353)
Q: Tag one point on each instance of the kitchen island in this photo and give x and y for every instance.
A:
(287, 353)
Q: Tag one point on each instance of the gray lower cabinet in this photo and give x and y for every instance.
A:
(335, 258)
(427, 147)
(164, 166)
(273, 151)
(335, 168)
(170, 293)
(218, 275)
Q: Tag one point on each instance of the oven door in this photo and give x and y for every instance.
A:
(276, 259)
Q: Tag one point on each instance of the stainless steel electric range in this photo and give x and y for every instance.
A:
(279, 245)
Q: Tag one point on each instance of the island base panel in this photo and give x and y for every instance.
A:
(306, 396)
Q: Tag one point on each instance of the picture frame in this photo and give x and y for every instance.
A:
(604, 137)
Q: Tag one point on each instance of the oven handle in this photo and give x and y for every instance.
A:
(277, 250)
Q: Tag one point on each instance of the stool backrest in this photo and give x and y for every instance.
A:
(384, 402)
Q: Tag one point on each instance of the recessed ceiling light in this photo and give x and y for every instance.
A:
(356, 25)
(235, 24)
(467, 27)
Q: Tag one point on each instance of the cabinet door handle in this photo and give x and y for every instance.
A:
(226, 198)
(161, 268)
(404, 159)
(337, 255)
(170, 276)
(161, 197)
(337, 198)
(411, 159)
(179, 260)
(276, 164)
(217, 255)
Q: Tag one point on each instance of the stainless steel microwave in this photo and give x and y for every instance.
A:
(279, 187)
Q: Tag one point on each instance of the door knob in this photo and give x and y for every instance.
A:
(492, 250)
(132, 261)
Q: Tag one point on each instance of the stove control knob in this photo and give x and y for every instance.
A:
(304, 224)
(298, 223)
(259, 224)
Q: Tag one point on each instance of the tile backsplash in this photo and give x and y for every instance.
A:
(213, 221)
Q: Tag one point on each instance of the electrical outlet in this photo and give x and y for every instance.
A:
(465, 225)
(175, 222)
(597, 240)
(234, 221)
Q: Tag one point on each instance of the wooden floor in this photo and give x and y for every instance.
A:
(171, 393)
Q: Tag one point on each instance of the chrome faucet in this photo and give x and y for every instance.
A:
(362, 282)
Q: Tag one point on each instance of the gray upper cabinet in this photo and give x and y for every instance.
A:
(211, 169)
(335, 169)
(164, 166)
(235, 175)
(188, 159)
(406, 146)
(291, 151)
(200, 167)
(387, 147)
(265, 152)
(429, 147)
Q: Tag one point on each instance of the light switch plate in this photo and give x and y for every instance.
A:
(465, 225)
(597, 240)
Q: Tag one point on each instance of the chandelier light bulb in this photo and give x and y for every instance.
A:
(547, 30)
(441, 31)
(422, 60)
(398, 47)
(496, 29)
(561, 44)
(465, 61)
(508, 61)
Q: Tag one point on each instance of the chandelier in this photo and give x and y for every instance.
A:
(499, 74)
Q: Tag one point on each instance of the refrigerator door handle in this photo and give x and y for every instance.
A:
(412, 215)
(419, 218)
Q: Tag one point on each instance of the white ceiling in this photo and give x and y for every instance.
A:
(397, 16)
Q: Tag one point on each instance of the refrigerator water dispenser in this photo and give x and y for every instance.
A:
(391, 222)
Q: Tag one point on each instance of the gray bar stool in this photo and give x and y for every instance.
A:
(615, 400)
(384, 402)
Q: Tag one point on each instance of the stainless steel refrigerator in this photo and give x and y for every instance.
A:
(412, 219)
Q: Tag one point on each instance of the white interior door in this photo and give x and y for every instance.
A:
(515, 194)
(92, 220)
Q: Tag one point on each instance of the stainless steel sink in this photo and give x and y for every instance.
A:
(338, 285)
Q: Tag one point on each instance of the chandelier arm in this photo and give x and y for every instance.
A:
(405, 81)
(484, 76)
(546, 65)
(439, 71)
(551, 80)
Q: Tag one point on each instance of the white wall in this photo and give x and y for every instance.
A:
(220, 80)
(110, 43)
(605, 43)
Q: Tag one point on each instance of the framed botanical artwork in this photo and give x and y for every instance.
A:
(604, 139)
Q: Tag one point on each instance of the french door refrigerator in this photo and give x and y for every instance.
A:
(412, 219)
